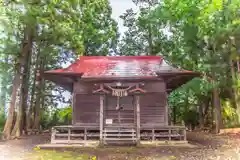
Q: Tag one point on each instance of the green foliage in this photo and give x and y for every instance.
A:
(2, 120)
(63, 30)
(58, 116)
(65, 114)
(196, 35)
(229, 114)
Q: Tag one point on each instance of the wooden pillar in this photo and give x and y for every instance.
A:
(53, 135)
(101, 117)
(138, 118)
(166, 116)
(73, 106)
(69, 135)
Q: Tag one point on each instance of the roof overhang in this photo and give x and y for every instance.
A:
(174, 80)
(125, 79)
(64, 80)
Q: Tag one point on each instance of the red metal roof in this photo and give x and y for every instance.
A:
(117, 66)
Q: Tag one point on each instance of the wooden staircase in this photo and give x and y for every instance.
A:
(119, 136)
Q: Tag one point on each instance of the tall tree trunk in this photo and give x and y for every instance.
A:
(9, 123)
(30, 111)
(234, 88)
(39, 94)
(25, 55)
(150, 40)
(206, 110)
(24, 90)
(203, 110)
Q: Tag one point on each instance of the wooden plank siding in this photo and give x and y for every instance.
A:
(86, 105)
(124, 116)
(152, 109)
(86, 109)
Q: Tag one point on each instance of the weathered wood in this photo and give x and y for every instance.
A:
(101, 117)
(169, 134)
(73, 107)
(83, 88)
(119, 130)
(166, 117)
(53, 135)
(121, 134)
(85, 134)
(93, 114)
(155, 87)
(69, 135)
(153, 137)
(123, 116)
(120, 139)
(138, 117)
(152, 108)
(86, 109)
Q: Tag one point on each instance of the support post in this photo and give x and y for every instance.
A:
(85, 134)
(166, 117)
(101, 118)
(69, 135)
(73, 106)
(138, 118)
(184, 132)
(53, 135)
(153, 134)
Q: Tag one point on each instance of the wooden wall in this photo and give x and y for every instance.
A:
(152, 105)
(153, 109)
(150, 87)
(125, 115)
(86, 109)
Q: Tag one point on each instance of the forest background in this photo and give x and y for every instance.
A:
(198, 35)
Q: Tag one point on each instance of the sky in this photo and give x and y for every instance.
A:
(118, 8)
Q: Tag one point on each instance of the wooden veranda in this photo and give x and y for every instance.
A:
(119, 100)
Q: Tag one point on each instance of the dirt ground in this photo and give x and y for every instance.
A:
(207, 147)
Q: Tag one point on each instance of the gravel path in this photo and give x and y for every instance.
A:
(17, 149)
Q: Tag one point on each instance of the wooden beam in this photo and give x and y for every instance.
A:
(138, 118)
(101, 117)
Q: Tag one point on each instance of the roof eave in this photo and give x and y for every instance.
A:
(63, 79)
(174, 80)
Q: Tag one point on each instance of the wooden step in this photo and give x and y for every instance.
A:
(119, 135)
(120, 139)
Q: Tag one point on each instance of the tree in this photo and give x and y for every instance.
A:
(59, 31)
(190, 34)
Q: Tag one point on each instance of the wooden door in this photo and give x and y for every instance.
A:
(122, 116)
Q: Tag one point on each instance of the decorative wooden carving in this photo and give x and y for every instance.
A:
(119, 91)
(101, 90)
(138, 89)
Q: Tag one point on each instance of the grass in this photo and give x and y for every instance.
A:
(122, 153)
(54, 155)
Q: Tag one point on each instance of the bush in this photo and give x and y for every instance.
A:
(57, 116)
(229, 114)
